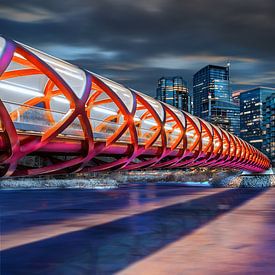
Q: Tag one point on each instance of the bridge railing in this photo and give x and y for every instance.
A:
(34, 120)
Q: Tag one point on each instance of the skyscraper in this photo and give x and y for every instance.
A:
(236, 97)
(173, 91)
(251, 115)
(212, 98)
(269, 127)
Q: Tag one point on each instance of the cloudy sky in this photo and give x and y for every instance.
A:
(136, 42)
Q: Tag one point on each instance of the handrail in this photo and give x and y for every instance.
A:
(63, 113)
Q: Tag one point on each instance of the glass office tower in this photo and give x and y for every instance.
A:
(212, 98)
(269, 127)
(251, 115)
(236, 97)
(173, 91)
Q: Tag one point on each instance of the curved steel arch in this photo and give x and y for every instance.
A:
(57, 118)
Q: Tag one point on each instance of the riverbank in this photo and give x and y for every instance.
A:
(258, 181)
(112, 179)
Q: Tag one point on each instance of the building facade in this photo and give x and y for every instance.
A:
(269, 127)
(252, 115)
(173, 91)
(236, 97)
(212, 98)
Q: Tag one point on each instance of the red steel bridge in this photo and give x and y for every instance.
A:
(57, 118)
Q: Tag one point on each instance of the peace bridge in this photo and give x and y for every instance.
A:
(56, 118)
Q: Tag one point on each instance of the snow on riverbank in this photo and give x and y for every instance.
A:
(253, 181)
(113, 179)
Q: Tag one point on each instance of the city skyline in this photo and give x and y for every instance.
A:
(174, 91)
(212, 98)
(137, 43)
(137, 137)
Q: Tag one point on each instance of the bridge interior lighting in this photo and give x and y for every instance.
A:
(103, 110)
(53, 60)
(69, 73)
(190, 134)
(18, 55)
(56, 64)
(19, 89)
(177, 130)
(205, 139)
(154, 105)
(126, 95)
(168, 127)
(22, 89)
(148, 122)
(136, 118)
(152, 102)
(61, 99)
(114, 86)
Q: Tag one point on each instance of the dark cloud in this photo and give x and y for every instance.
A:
(136, 42)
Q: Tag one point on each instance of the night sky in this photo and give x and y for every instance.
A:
(136, 42)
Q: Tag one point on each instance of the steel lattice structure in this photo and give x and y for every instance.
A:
(58, 118)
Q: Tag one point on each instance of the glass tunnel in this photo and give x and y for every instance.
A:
(57, 118)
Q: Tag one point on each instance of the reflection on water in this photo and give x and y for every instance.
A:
(133, 227)
(194, 183)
